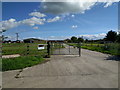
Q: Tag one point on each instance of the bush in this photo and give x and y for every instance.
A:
(20, 62)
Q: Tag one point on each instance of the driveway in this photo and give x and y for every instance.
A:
(91, 70)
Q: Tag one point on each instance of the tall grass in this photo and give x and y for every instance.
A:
(20, 62)
(109, 48)
(27, 58)
(21, 48)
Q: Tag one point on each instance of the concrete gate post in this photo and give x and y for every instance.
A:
(48, 49)
(79, 46)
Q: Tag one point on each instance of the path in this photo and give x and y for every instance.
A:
(11, 56)
(91, 70)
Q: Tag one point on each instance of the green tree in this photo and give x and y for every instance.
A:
(111, 36)
(68, 40)
(80, 39)
(3, 37)
(86, 40)
(118, 38)
(74, 39)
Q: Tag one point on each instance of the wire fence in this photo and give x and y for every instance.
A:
(110, 48)
(23, 49)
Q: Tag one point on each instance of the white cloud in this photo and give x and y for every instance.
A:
(37, 14)
(86, 36)
(35, 27)
(8, 24)
(72, 16)
(94, 37)
(72, 6)
(66, 7)
(11, 23)
(57, 18)
(12, 20)
(57, 37)
(74, 26)
(33, 21)
(80, 0)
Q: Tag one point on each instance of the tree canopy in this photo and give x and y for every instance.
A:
(111, 36)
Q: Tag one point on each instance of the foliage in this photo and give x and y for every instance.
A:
(68, 40)
(74, 39)
(111, 36)
(109, 48)
(21, 48)
(20, 62)
(80, 39)
(118, 38)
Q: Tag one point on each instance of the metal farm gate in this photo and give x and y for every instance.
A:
(61, 48)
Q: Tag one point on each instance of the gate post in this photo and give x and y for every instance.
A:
(59, 46)
(79, 46)
(48, 49)
(51, 47)
(69, 49)
(27, 48)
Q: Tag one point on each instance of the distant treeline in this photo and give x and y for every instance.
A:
(110, 37)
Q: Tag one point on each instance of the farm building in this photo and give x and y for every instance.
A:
(56, 41)
(33, 40)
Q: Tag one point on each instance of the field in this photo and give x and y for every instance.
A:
(29, 55)
(20, 62)
(27, 58)
(109, 48)
(21, 48)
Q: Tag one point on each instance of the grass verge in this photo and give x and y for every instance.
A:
(110, 48)
(21, 62)
(21, 48)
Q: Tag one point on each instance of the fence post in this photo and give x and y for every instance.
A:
(69, 49)
(51, 47)
(59, 47)
(79, 46)
(27, 49)
(48, 49)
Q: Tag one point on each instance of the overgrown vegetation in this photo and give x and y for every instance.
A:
(34, 57)
(109, 48)
(27, 58)
(20, 62)
(21, 48)
(109, 44)
(111, 37)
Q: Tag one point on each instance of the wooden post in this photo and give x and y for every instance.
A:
(69, 49)
(79, 46)
(27, 49)
(51, 47)
(59, 47)
(48, 48)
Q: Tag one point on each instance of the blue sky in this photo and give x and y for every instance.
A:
(93, 23)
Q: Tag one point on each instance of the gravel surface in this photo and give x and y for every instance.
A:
(11, 56)
(91, 70)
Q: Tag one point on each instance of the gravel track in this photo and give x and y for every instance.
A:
(91, 70)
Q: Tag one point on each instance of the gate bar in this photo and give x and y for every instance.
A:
(79, 46)
(69, 49)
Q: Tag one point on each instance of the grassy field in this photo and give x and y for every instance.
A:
(34, 57)
(21, 48)
(20, 62)
(110, 48)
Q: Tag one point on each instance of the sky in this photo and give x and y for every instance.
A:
(59, 20)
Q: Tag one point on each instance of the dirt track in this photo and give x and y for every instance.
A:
(91, 70)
